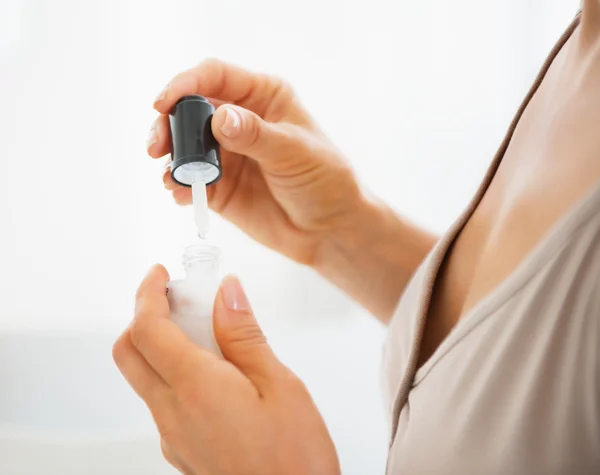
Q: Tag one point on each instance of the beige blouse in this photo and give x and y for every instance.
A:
(515, 387)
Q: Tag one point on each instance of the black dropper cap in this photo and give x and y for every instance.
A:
(194, 149)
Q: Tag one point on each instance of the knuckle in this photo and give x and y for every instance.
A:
(170, 452)
(166, 431)
(281, 96)
(166, 177)
(140, 332)
(210, 63)
(286, 90)
(283, 91)
(169, 184)
(214, 68)
(183, 75)
(249, 334)
(253, 132)
(167, 452)
(120, 348)
(165, 423)
(141, 291)
(292, 382)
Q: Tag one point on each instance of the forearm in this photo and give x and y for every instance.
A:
(373, 260)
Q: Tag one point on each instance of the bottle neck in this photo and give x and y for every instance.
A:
(201, 261)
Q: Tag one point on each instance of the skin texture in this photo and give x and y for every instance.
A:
(243, 415)
(550, 165)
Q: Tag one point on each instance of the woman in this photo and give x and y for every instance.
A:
(493, 355)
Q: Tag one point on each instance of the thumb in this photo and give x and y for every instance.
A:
(240, 339)
(242, 131)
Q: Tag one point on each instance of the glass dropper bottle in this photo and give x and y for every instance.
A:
(195, 163)
(191, 299)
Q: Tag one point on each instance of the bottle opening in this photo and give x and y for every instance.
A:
(201, 257)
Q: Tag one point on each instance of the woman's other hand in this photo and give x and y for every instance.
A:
(245, 414)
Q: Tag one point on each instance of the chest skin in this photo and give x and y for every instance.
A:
(551, 163)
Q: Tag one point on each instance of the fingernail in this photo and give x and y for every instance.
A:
(162, 94)
(231, 126)
(234, 295)
(152, 137)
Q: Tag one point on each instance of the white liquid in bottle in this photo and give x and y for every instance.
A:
(200, 202)
(191, 299)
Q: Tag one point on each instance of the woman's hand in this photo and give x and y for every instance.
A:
(288, 187)
(283, 182)
(246, 414)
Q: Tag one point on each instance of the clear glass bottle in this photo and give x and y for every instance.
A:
(191, 299)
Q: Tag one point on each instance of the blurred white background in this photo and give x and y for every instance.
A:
(418, 94)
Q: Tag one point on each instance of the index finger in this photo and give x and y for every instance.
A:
(165, 347)
(221, 81)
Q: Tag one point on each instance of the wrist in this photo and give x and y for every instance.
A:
(348, 236)
(373, 255)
